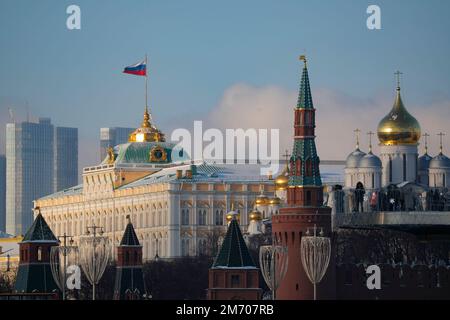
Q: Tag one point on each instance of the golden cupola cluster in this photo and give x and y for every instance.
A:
(398, 127)
(262, 200)
(255, 215)
(147, 132)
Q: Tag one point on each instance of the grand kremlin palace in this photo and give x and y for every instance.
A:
(175, 206)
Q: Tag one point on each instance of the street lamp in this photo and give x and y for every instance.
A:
(315, 255)
(68, 255)
(273, 261)
(94, 255)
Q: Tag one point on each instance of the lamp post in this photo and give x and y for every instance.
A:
(59, 271)
(315, 256)
(273, 261)
(94, 252)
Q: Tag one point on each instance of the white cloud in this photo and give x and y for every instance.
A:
(337, 115)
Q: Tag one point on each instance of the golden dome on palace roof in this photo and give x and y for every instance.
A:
(230, 215)
(398, 127)
(262, 200)
(255, 215)
(275, 201)
(147, 132)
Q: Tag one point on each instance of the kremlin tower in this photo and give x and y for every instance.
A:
(304, 208)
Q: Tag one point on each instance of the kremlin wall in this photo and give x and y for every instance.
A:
(174, 208)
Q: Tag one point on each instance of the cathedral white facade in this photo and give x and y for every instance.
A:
(399, 161)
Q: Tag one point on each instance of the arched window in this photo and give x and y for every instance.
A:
(218, 218)
(39, 254)
(202, 217)
(185, 217)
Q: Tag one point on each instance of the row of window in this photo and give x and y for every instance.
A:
(202, 217)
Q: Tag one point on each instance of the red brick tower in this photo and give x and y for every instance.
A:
(129, 283)
(234, 275)
(304, 207)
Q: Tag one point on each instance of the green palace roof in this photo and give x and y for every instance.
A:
(39, 231)
(234, 252)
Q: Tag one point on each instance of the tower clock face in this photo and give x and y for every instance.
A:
(158, 154)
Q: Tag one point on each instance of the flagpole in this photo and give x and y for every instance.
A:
(146, 84)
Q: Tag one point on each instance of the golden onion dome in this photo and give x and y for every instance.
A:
(262, 200)
(147, 132)
(255, 215)
(281, 182)
(230, 215)
(399, 126)
(275, 201)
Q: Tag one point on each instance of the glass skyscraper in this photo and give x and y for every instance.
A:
(39, 159)
(2, 192)
(110, 137)
(66, 158)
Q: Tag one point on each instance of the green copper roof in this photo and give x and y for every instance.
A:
(304, 95)
(234, 252)
(305, 149)
(39, 231)
(129, 236)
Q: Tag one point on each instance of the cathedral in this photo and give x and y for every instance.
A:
(416, 182)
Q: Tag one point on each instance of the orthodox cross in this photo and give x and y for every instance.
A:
(357, 131)
(440, 134)
(426, 135)
(370, 134)
(398, 74)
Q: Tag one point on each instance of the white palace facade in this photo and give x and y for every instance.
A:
(176, 208)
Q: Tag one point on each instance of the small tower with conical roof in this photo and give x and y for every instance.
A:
(34, 273)
(129, 283)
(234, 275)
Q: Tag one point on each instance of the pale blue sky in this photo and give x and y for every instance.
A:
(198, 49)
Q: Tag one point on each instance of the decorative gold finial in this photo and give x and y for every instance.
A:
(357, 132)
(302, 58)
(440, 134)
(111, 156)
(146, 122)
(128, 218)
(370, 134)
(426, 135)
(398, 74)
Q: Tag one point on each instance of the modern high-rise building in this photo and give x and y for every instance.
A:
(40, 159)
(2, 192)
(110, 137)
(65, 158)
(29, 170)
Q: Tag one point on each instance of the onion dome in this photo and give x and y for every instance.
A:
(398, 127)
(440, 161)
(424, 161)
(147, 132)
(354, 158)
(255, 215)
(282, 180)
(232, 214)
(262, 200)
(370, 161)
(275, 201)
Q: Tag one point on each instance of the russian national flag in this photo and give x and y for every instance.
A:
(138, 69)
